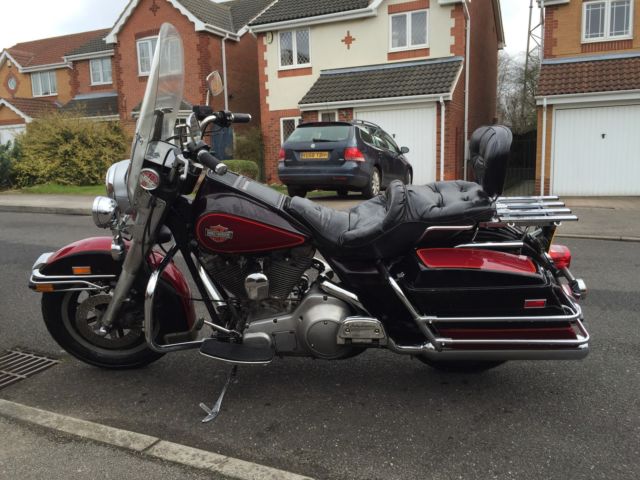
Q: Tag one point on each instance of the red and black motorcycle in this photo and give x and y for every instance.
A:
(448, 272)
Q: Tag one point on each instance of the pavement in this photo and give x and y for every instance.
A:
(604, 218)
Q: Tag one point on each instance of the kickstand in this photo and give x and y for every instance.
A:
(213, 412)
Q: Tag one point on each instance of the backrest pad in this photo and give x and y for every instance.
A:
(489, 150)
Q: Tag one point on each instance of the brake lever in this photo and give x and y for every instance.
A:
(185, 163)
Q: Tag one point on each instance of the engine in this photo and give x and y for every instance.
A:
(277, 273)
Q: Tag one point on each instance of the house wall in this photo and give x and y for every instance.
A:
(9, 117)
(242, 78)
(23, 88)
(80, 79)
(202, 54)
(563, 33)
(370, 47)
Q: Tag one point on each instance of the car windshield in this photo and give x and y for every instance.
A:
(320, 133)
(162, 97)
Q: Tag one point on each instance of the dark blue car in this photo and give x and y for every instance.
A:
(342, 156)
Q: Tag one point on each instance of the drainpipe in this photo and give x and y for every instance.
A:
(467, 54)
(443, 111)
(224, 72)
(543, 157)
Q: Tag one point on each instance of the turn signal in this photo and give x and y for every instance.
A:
(353, 154)
(561, 256)
(281, 155)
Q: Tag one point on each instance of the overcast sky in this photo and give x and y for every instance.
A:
(33, 19)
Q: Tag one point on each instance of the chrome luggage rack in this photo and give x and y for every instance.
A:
(531, 211)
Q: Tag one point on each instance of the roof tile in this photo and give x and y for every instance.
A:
(284, 10)
(33, 107)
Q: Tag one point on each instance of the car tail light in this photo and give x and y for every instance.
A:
(281, 155)
(560, 255)
(353, 154)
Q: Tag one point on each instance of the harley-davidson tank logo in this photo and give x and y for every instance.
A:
(219, 234)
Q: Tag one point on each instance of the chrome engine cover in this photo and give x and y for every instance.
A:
(311, 329)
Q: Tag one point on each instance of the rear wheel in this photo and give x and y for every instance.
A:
(374, 186)
(294, 191)
(461, 366)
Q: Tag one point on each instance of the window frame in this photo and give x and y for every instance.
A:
(91, 70)
(408, 46)
(294, 47)
(297, 121)
(607, 37)
(50, 73)
(151, 53)
(323, 112)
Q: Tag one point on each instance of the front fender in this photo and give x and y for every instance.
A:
(55, 271)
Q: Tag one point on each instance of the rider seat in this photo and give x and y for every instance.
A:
(390, 224)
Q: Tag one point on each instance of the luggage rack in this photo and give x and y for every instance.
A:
(531, 211)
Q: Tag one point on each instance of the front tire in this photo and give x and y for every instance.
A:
(72, 319)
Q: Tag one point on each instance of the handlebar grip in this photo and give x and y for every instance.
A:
(240, 117)
(208, 160)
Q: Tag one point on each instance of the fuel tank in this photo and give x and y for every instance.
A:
(231, 223)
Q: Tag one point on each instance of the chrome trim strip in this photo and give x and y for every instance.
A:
(445, 228)
(492, 245)
(80, 282)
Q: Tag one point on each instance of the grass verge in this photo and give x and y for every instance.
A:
(56, 189)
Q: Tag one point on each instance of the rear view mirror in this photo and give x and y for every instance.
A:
(215, 84)
(404, 149)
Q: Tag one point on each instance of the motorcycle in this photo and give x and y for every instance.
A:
(451, 273)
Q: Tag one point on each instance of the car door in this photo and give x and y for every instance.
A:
(396, 165)
(386, 158)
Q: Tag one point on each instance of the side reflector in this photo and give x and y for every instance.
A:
(81, 270)
(149, 179)
(353, 154)
(561, 256)
(44, 287)
(536, 303)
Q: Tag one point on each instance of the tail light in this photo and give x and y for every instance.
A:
(353, 154)
(281, 155)
(561, 256)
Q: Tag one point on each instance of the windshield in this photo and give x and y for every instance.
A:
(320, 133)
(162, 98)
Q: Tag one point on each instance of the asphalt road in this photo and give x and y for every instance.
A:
(376, 416)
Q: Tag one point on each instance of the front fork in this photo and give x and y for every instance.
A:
(150, 211)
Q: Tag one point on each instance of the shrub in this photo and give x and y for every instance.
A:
(244, 167)
(249, 146)
(9, 154)
(68, 150)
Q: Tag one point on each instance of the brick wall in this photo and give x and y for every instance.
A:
(23, 87)
(563, 33)
(80, 79)
(9, 117)
(242, 77)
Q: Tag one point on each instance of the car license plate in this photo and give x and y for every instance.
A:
(314, 155)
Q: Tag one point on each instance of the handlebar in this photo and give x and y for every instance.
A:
(210, 161)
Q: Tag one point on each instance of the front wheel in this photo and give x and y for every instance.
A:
(461, 366)
(73, 319)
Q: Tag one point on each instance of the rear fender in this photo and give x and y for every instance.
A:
(57, 270)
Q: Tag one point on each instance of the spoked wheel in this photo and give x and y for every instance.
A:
(375, 184)
(74, 321)
(460, 366)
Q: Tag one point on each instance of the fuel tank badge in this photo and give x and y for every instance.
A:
(219, 234)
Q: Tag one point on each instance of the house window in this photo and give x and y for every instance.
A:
(146, 49)
(287, 126)
(294, 48)
(44, 84)
(328, 116)
(606, 20)
(100, 71)
(409, 30)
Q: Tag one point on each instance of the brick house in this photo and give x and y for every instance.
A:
(401, 64)
(215, 37)
(588, 98)
(102, 74)
(41, 76)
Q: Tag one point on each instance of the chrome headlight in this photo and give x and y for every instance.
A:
(104, 211)
(116, 183)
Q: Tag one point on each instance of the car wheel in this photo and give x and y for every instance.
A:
(374, 186)
(343, 192)
(296, 191)
(408, 178)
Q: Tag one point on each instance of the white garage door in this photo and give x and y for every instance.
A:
(412, 127)
(8, 133)
(597, 151)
